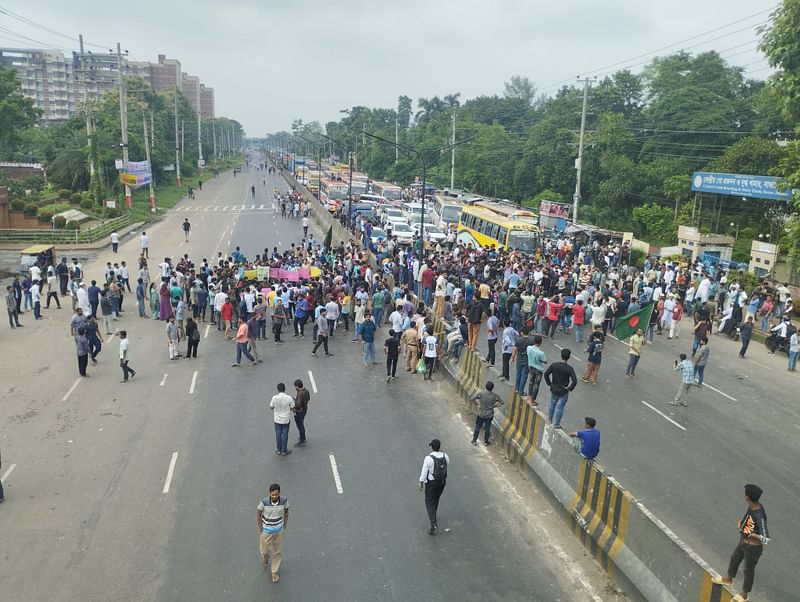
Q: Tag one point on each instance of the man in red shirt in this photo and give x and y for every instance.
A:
(227, 315)
(578, 319)
(427, 284)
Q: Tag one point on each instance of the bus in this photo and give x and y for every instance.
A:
(388, 191)
(509, 210)
(481, 227)
(446, 212)
(332, 193)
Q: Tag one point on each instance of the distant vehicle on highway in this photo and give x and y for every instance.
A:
(403, 232)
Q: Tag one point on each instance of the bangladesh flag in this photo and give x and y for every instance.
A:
(630, 323)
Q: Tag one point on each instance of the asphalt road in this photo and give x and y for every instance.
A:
(689, 465)
(147, 491)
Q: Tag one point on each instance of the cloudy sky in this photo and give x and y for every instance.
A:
(271, 62)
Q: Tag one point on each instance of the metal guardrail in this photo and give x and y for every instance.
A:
(52, 236)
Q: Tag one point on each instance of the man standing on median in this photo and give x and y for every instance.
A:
(561, 379)
(487, 401)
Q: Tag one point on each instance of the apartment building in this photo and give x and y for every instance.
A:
(46, 77)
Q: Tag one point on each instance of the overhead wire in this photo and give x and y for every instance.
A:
(32, 23)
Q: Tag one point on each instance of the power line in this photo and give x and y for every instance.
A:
(33, 23)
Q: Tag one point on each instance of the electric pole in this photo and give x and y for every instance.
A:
(123, 121)
(183, 145)
(149, 164)
(199, 133)
(214, 133)
(396, 139)
(453, 156)
(86, 108)
(177, 144)
(576, 198)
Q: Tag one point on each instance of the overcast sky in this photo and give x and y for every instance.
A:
(271, 62)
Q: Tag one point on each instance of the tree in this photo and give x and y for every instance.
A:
(69, 167)
(16, 112)
(655, 223)
(520, 87)
(404, 111)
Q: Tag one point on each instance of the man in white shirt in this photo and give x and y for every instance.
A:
(282, 406)
(144, 244)
(36, 273)
(114, 242)
(123, 357)
(433, 479)
(166, 268)
(219, 301)
(36, 298)
(332, 315)
(124, 273)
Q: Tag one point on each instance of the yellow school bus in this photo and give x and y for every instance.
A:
(481, 227)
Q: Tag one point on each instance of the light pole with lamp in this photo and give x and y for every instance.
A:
(350, 184)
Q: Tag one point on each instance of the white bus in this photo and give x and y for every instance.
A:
(447, 211)
(387, 191)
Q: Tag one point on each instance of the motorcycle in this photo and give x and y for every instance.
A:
(775, 343)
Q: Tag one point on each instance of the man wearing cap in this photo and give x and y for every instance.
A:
(433, 479)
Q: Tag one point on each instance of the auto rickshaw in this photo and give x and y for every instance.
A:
(41, 255)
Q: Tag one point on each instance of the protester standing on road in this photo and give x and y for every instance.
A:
(536, 362)
(561, 379)
(595, 350)
(322, 333)
(186, 228)
(686, 368)
(700, 362)
(636, 344)
(492, 334)
(366, 330)
(82, 349)
(242, 338)
(486, 401)
(12, 307)
(301, 399)
(509, 339)
(94, 337)
(172, 338)
(282, 406)
(433, 479)
(114, 242)
(52, 290)
(192, 338)
(753, 536)
(144, 244)
(273, 518)
(391, 347)
(124, 346)
(745, 333)
(430, 346)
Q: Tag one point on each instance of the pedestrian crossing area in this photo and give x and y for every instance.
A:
(237, 208)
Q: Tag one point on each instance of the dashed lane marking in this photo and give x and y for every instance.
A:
(208, 327)
(72, 388)
(336, 479)
(163, 380)
(313, 382)
(194, 382)
(170, 472)
(663, 415)
(720, 392)
(8, 472)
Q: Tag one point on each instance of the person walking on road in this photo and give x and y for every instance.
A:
(186, 229)
(636, 344)
(391, 347)
(753, 536)
(172, 338)
(433, 479)
(700, 362)
(273, 518)
(114, 242)
(686, 368)
(82, 349)
(486, 401)
(745, 333)
(144, 244)
(242, 339)
(595, 350)
(12, 307)
(124, 355)
(322, 333)
(430, 346)
(94, 337)
(366, 330)
(561, 379)
(282, 406)
(192, 338)
(301, 399)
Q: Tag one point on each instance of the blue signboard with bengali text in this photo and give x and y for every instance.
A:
(755, 187)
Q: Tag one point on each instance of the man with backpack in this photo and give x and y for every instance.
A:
(433, 479)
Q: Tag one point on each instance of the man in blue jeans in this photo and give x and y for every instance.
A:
(282, 406)
(561, 379)
(520, 352)
(366, 330)
(487, 401)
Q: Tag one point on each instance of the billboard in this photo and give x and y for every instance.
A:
(755, 187)
(136, 174)
(554, 209)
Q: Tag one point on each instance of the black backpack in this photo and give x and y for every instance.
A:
(439, 469)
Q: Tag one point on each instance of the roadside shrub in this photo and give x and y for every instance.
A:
(45, 215)
(17, 205)
(30, 210)
(75, 198)
(86, 196)
(72, 225)
(64, 193)
(59, 222)
(110, 212)
(87, 204)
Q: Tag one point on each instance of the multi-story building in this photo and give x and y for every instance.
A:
(57, 85)
(46, 78)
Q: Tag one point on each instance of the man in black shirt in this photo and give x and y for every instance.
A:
(753, 536)
(391, 348)
(561, 379)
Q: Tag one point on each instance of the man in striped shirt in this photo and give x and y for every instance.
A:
(273, 516)
(686, 369)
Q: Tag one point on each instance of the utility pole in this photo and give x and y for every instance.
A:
(396, 139)
(86, 109)
(576, 198)
(199, 133)
(183, 145)
(229, 141)
(123, 121)
(177, 144)
(214, 133)
(453, 156)
(150, 165)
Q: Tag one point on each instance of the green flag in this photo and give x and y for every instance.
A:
(630, 323)
(326, 244)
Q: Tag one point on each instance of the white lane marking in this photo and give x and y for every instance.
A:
(225, 209)
(229, 243)
(761, 365)
(252, 207)
(572, 357)
(8, 472)
(111, 336)
(313, 382)
(260, 207)
(170, 472)
(194, 382)
(720, 392)
(336, 478)
(208, 327)
(663, 415)
(72, 388)
(163, 380)
(244, 207)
